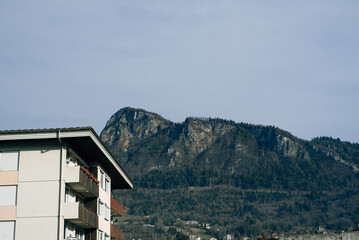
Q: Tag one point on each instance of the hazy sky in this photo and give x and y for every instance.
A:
(292, 64)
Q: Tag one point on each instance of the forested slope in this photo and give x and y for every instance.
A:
(241, 177)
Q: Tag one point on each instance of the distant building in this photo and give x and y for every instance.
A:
(192, 222)
(206, 225)
(56, 184)
(149, 225)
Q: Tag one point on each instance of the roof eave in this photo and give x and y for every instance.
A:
(66, 133)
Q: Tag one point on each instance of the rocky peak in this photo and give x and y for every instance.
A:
(200, 133)
(130, 124)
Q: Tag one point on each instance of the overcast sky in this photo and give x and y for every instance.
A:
(291, 64)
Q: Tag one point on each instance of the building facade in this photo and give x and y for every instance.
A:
(57, 184)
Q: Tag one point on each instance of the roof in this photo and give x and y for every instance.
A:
(83, 139)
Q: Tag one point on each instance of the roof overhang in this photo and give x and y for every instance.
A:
(84, 140)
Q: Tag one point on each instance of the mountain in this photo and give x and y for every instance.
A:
(244, 178)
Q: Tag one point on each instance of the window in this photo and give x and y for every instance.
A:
(102, 210)
(107, 213)
(107, 185)
(68, 230)
(70, 195)
(102, 180)
(80, 234)
(99, 207)
(8, 195)
(7, 230)
(71, 161)
(73, 232)
(9, 161)
(100, 235)
(79, 199)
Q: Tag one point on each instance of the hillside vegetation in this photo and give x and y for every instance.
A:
(241, 178)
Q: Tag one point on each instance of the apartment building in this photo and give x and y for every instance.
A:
(57, 184)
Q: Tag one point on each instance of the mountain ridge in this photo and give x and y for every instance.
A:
(211, 153)
(131, 126)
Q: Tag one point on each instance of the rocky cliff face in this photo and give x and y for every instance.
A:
(279, 141)
(200, 133)
(131, 125)
(145, 139)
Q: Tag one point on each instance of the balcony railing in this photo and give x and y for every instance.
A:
(81, 182)
(116, 233)
(116, 208)
(78, 214)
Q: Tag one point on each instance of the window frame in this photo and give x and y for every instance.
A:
(70, 195)
(79, 233)
(17, 161)
(107, 213)
(13, 228)
(100, 235)
(107, 184)
(13, 199)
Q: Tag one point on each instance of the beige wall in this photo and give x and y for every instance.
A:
(36, 228)
(104, 225)
(39, 165)
(38, 199)
(70, 210)
(104, 196)
(38, 194)
(7, 213)
(8, 178)
(71, 174)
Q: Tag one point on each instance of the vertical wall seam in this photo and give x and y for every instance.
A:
(60, 193)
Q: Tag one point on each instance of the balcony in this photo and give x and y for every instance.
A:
(81, 182)
(78, 214)
(116, 208)
(116, 233)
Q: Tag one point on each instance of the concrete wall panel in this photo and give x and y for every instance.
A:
(36, 228)
(38, 199)
(39, 165)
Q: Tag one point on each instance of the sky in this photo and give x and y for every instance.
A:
(285, 63)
